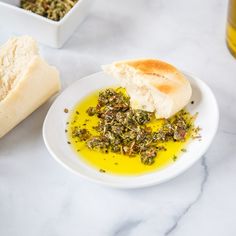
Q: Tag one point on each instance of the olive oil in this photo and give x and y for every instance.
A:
(111, 162)
(231, 27)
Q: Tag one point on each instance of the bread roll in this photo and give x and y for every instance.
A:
(26, 81)
(152, 85)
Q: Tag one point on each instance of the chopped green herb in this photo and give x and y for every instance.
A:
(123, 130)
(102, 171)
(91, 111)
(81, 134)
(174, 158)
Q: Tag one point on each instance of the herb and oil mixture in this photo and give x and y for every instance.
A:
(51, 9)
(112, 137)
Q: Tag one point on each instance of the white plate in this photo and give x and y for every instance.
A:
(56, 141)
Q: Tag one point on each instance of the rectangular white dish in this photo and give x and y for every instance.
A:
(46, 31)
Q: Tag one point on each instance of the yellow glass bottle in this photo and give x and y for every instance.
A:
(231, 27)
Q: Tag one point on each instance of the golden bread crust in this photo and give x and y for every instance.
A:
(151, 66)
(163, 76)
(165, 88)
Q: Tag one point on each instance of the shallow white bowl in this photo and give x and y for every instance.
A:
(56, 141)
(46, 31)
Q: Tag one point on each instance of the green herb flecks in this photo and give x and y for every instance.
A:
(124, 130)
(174, 158)
(51, 9)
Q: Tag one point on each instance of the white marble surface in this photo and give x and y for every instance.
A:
(38, 197)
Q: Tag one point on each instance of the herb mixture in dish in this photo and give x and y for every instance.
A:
(112, 128)
(51, 9)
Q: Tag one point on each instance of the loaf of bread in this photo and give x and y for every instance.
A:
(26, 81)
(152, 85)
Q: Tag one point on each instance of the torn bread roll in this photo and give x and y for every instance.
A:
(26, 81)
(152, 85)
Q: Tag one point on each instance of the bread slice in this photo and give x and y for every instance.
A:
(152, 85)
(26, 81)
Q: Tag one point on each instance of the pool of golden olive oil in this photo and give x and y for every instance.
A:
(114, 163)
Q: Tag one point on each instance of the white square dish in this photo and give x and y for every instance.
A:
(46, 31)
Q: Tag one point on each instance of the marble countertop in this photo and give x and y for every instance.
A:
(40, 198)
